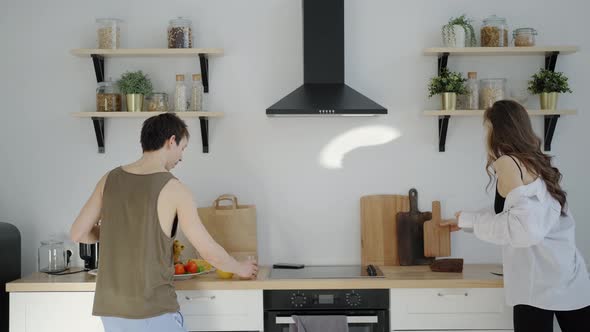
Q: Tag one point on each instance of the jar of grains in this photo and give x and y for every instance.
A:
(494, 32)
(109, 32)
(180, 33)
(490, 91)
(108, 98)
(157, 102)
(524, 37)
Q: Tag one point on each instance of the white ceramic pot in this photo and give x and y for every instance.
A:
(454, 37)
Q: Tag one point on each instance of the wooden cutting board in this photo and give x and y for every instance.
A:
(410, 234)
(378, 228)
(437, 240)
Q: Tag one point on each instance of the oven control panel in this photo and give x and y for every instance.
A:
(300, 299)
(327, 299)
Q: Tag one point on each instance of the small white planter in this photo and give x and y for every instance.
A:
(454, 37)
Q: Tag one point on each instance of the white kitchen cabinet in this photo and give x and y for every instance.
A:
(53, 312)
(222, 310)
(476, 309)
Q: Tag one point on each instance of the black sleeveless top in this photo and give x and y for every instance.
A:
(499, 200)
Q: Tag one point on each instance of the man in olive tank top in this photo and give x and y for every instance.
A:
(135, 210)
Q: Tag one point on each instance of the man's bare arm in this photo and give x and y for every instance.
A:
(85, 229)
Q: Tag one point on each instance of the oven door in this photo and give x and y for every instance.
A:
(358, 321)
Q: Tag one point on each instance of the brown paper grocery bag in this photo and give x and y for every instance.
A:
(232, 225)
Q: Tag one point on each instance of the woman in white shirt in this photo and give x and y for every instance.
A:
(544, 273)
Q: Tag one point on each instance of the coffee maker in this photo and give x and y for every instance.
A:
(89, 253)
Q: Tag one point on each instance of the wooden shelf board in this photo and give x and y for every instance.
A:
(480, 112)
(121, 52)
(145, 114)
(539, 50)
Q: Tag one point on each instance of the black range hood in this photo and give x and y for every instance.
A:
(324, 92)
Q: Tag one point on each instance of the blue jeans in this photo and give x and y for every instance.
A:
(171, 322)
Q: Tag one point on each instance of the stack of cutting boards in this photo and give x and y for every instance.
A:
(380, 239)
(378, 228)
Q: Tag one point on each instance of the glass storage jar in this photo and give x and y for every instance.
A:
(180, 95)
(109, 32)
(180, 33)
(108, 98)
(524, 37)
(494, 32)
(157, 102)
(52, 257)
(472, 96)
(491, 90)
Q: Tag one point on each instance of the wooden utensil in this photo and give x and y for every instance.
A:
(410, 233)
(437, 239)
(378, 228)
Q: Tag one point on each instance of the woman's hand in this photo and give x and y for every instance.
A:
(453, 224)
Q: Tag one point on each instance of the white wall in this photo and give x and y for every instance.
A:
(306, 212)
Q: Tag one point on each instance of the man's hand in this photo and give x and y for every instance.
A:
(248, 269)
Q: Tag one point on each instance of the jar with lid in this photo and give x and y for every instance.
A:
(472, 96)
(491, 91)
(180, 95)
(53, 257)
(180, 33)
(524, 37)
(494, 32)
(157, 102)
(196, 104)
(108, 98)
(109, 32)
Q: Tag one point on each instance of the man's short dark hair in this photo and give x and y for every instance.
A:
(158, 129)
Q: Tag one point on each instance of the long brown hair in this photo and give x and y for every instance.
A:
(511, 134)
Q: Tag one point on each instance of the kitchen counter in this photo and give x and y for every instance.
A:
(473, 276)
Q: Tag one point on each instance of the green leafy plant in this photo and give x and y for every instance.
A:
(447, 81)
(135, 83)
(463, 21)
(548, 81)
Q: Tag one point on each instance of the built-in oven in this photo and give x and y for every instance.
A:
(366, 310)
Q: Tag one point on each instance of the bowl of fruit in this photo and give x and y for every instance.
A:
(192, 267)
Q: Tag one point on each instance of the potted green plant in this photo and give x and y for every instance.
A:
(448, 84)
(135, 86)
(548, 84)
(459, 32)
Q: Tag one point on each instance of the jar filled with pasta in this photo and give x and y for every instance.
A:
(494, 32)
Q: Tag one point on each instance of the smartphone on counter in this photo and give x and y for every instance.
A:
(287, 266)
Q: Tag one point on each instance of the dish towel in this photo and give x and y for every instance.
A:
(319, 324)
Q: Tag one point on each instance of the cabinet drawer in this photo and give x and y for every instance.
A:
(439, 309)
(223, 310)
(53, 312)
